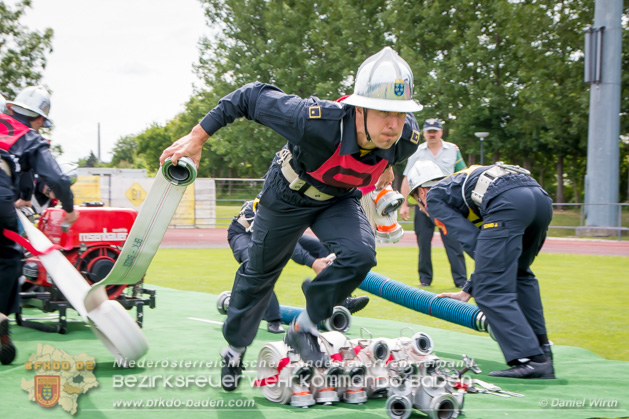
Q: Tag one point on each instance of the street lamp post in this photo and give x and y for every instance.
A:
(481, 136)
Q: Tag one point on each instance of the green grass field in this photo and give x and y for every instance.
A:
(584, 296)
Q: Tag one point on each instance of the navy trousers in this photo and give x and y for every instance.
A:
(10, 252)
(504, 286)
(283, 216)
(240, 247)
(424, 230)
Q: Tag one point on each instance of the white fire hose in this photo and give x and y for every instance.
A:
(109, 320)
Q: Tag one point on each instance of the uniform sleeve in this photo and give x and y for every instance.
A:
(460, 163)
(27, 186)
(451, 222)
(45, 166)
(262, 103)
(302, 257)
(409, 142)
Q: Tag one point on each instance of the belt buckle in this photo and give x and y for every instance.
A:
(297, 184)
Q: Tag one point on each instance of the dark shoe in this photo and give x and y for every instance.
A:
(546, 349)
(531, 369)
(424, 284)
(355, 304)
(461, 285)
(231, 370)
(306, 345)
(275, 327)
(7, 349)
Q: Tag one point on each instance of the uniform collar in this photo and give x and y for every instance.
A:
(349, 145)
(21, 118)
(444, 145)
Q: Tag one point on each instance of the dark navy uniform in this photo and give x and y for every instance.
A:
(307, 250)
(503, 235)
(22, 150)
(322, 139)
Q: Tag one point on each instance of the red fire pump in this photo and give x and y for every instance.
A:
(92, 244)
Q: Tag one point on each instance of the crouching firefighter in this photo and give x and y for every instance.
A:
(308, 252)
(500, 215)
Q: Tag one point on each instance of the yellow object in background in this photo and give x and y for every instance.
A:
(86, 188)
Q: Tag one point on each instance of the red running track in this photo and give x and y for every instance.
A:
(214, 237)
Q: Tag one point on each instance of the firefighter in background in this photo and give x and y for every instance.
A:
(43, 197)
(333, 148)
(447, 156)
(22, 149)
(500, 215)
(308, 252)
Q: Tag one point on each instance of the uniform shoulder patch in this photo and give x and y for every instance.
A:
(415, 137)
(314, 112)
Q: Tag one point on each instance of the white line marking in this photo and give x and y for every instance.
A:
(205, 320)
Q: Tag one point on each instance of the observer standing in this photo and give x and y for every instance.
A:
(447, 156)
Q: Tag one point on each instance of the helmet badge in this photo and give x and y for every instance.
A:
(399, 87)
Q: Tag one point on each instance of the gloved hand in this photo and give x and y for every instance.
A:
(28, 212)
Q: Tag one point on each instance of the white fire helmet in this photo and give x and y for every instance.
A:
(384, 82)
(424, 173)
(32, 101)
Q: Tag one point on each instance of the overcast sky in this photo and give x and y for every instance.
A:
(123, 63)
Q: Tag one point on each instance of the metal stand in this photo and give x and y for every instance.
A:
(53, 300)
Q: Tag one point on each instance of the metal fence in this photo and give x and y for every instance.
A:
(581, 229)
(233, 192)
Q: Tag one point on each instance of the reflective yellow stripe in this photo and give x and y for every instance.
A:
(469, 170)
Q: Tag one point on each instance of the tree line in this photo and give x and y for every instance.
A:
(513, 68)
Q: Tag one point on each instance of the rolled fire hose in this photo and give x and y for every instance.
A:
(449, 309)
(273, 377)
(269, 359)
(281, 380)
(109, 320)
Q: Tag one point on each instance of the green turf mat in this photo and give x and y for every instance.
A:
(185, 327)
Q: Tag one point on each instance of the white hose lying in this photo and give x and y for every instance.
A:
(268, 361)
